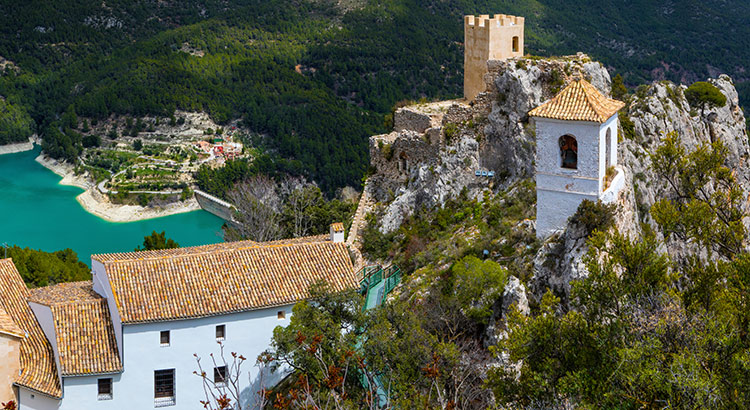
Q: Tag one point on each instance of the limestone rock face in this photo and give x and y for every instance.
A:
(436, 149)
(655, 111)
(661, 109)
(514, 295)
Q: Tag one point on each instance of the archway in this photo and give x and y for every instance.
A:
(515, 44)
(568, 152)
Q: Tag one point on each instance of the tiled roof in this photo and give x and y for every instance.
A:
(38, 371)
(579, 101)
(8, 326)
(85, 336)
(107, 257)
(239, 276)
(337, 227)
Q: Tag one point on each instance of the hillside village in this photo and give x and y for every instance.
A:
(527, 127)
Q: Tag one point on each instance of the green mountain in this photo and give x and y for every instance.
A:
(317, 77)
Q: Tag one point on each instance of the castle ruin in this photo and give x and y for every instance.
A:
(485, 38)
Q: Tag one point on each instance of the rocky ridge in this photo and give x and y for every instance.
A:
(435, 150)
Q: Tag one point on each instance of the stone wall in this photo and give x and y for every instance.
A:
(10, 350)
(485, 38)
(492, 133)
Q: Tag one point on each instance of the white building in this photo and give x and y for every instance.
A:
(127, 339)
(576, 137)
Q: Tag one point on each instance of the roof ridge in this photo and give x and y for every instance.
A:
(217, 250)
(578, 101)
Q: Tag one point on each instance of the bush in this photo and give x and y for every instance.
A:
(704, 95)
(478, 284)
(593, 216)
(449, 130)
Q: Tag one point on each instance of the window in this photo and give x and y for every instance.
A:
(220, 375)
(515, 44)
(221, 332)
(104, 387)
(281, 315)
(164, 388)
(164, 337)
(568, 152)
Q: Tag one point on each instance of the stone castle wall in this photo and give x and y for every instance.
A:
(485, 38)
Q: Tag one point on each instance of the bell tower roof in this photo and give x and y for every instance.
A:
(579, 101)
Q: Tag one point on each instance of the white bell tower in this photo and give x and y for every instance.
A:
(576, 144)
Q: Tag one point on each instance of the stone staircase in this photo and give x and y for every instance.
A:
(354, 240)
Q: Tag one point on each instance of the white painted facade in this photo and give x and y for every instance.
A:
(31, 400)
(560, 190)
(246, 333)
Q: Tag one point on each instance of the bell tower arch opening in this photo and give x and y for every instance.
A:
(568, 152)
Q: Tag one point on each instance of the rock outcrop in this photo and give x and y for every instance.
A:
(436, 149)
(654, 111)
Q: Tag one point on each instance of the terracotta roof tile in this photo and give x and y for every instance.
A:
(337, 227)
(239, 276)
(579, 101)
(85, 336)
(38, 371)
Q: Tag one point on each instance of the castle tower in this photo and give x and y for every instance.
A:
(485, 38)
(576, 143)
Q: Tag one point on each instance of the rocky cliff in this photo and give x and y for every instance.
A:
(655, 111)
(436, 149)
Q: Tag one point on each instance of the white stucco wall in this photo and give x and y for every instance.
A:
(104, 289)
(247, 333)
(31, 400)
(47, 323)
(610, 125)
(561, 190)
(587, 134)
(555, 208)
(81, 392)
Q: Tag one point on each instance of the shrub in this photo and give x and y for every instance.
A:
(449, 131)
(478, 284)
(704, 95)
(593, 216)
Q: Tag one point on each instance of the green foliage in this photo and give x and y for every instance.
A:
(592, 216)
(707, 204)
(477, 286)
(15, 124)
(627, 126)
(449, 131)
(38, 268)
(157, 241)
(619, 91)
(137, 145)
(90, 141)
(704, 95)
(642, 330)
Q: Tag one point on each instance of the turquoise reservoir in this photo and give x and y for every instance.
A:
(37, 212)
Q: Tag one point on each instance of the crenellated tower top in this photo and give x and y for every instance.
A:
(488, 38)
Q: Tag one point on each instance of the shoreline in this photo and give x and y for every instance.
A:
(110, 212)
(99, 205)
(17, 147)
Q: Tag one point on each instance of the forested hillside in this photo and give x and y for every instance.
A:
(316, 77)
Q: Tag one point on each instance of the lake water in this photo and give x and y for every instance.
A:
(37, 212)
